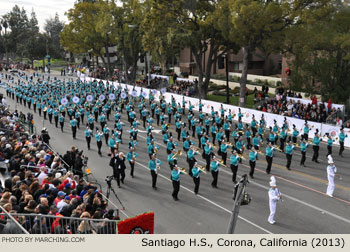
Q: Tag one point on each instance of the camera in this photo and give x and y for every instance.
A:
(109, 180)
(85, 160)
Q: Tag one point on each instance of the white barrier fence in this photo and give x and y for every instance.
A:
(247, 113)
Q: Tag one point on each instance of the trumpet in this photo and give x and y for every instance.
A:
(241, 157)
(183, 170)
(178, 153)
(202, 168)
(168, 125)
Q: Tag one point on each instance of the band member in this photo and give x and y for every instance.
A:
(73, 124)
(61, 119)
(214, 166)
(178, 125)
(227, 129)
(283, 137)
(289, 153)
(223, 151)
(303, 147)
(256, 141)
(213, 131)
(154, 166)
(306, 132)
(272, 137)
(248, 136)
(112, 143)
(170, 146)
(316, 146)
(295, 134)
(234, 159)
(191, 159)
(50, 112)
(269, 156)
(131, 157)
(342, 137)
(91, 120)
(87, 134)
(106, 131)
(329, 144)
(331, 173)
(172, 160)
(196, 177)
(55, 116)
(98, 137)
(274, 196)
(252, 161)
(175, 178)
(207, 154)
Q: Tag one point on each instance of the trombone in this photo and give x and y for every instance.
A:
(178, 153)
(241, 157)
(277, 148)
(212, 145)
(221, 162)
(228, 143)
(195, 149)
(202, 168)
(183, 170)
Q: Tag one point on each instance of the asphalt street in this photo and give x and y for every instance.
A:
(305, 207)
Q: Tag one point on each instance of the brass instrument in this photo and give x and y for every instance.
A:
(229, 144)
(202, 168)
(241, 157)
(277, 148)
(221, 162)
(183, 170)
(195, 149)
(168, 125)
(213, 146)
(241, 131)
(178, 153)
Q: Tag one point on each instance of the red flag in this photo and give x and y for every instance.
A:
(141, 224)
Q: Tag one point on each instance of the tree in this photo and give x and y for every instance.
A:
(85, 33)
(262, 24)
(194, 25)
(17, 22)
(53, 27)
(319, 54)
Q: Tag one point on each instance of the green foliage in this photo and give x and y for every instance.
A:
(53, 27)
(320, 55)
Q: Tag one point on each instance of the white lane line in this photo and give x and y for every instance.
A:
(211, 202)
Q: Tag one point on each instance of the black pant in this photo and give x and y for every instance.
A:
(234, 169)
(315, 156)
(50, 118)
(227, 133)
(56, 121)
(282, 141)
(99, 145)
(224, 156)
(119, 175)
(178, 133)
(341, 148)
(214, 136)
(215, 178)
(154, 178)
(329, 148)
(207, 160)
(269, 164)
(74, 130)
(106, 138)
(289, 160)
(252, 168)
(62, 124)
(176, 189)
(196, 184)
(305, 136)
(191, 164)
(303, 158)
(88, 140)
(132, 166)
(294, 139)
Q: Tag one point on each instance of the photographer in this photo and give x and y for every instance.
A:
(78, 164)
(45, 137)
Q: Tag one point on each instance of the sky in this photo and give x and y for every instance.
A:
(43, 9)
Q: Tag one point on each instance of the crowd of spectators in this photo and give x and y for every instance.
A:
(187, 88)
(42, 183)
(313, 111)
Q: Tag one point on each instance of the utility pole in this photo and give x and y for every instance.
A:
(238, 197)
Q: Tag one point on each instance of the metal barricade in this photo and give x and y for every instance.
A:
(58, 224)
(12, 226)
